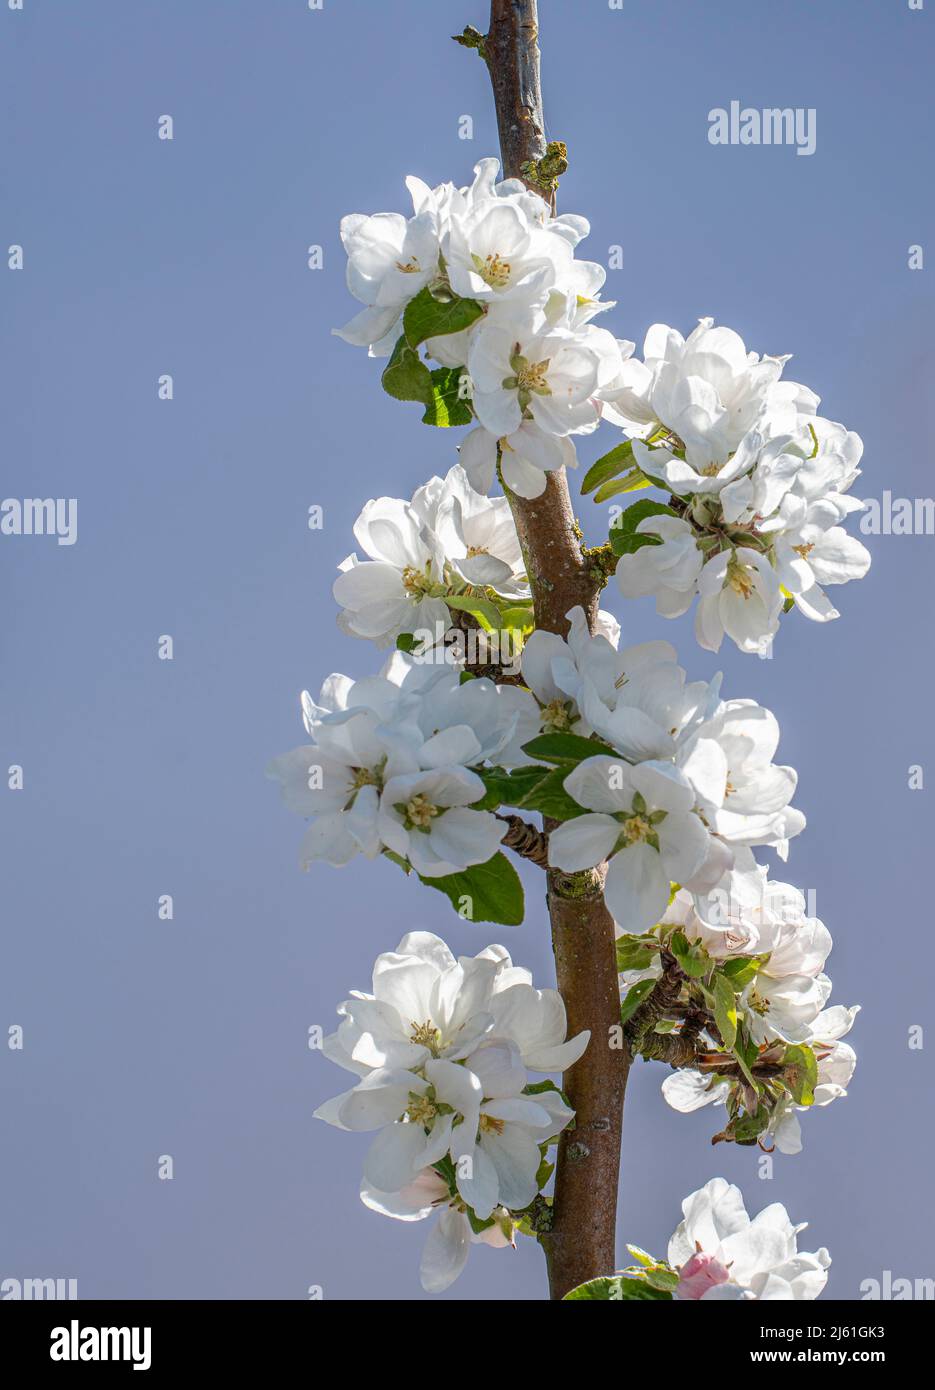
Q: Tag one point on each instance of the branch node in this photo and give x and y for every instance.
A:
(526, 840)
(472, 38)
(545, 173)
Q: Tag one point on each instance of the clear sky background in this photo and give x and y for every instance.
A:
(145, 777)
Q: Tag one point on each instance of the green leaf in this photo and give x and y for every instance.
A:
(746, 1129)
(428, 317)
(634, 998)
(661, 1277)
(630, 482)
(406, 377)
(475, 1222)
(549, 797)
(608, 466)
(536, 1088)
(746, 1052)
(801, 1076)
(514, 786)
(447, 406)
(725, 1009)
(627, 542)
(742, 969)
(616, 1289)
(405, 642)
(692, 957)
(566, 748)
(490, 892)
(517, 617)
(635, 952)
(398, 859)
(648, 472)
(627, 522)
(486, 612)
(544, 1172)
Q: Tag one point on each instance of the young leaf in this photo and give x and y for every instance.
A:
(725, 1009)
(536, 1088)
(746, 1052)
(627, 522)
(514, 786)
(801, 1074)
(550, 797)
(746, 1129)
(486, 612)
(475, 1222)
(428, 317)
(626, 542)
(406, 377)
(615, 1289)
(490, 892)
(742, 969)
(517, 617)
(398, 859)
(608, 466)
(693, 958)
(630, 482)
(635, 997)
(635, 952)
(447, 406)
(566, 748)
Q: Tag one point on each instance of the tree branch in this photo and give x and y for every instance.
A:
(581, 1242)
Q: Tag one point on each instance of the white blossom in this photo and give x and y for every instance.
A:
(644, 822)
(441, 1050)
(707, 390)
(759, 482)
(522, 368)
(721, 1254)
(446, 539)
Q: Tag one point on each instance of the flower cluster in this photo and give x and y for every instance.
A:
(643, 768)
(685, 786)
(442, 1049)
(742, 975)
(486, 280)
(759, 487)
(445, 550)
(390, 768)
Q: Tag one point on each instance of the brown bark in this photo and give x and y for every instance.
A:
(581, 1243)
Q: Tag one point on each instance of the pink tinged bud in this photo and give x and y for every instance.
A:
(700, 1274)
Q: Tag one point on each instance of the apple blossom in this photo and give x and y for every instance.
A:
(441, 1050)
(720, 1253)
(644, 823)
(449, 1242)
(780, 954)
(522, 369)
(445, 540)
(706, 390)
